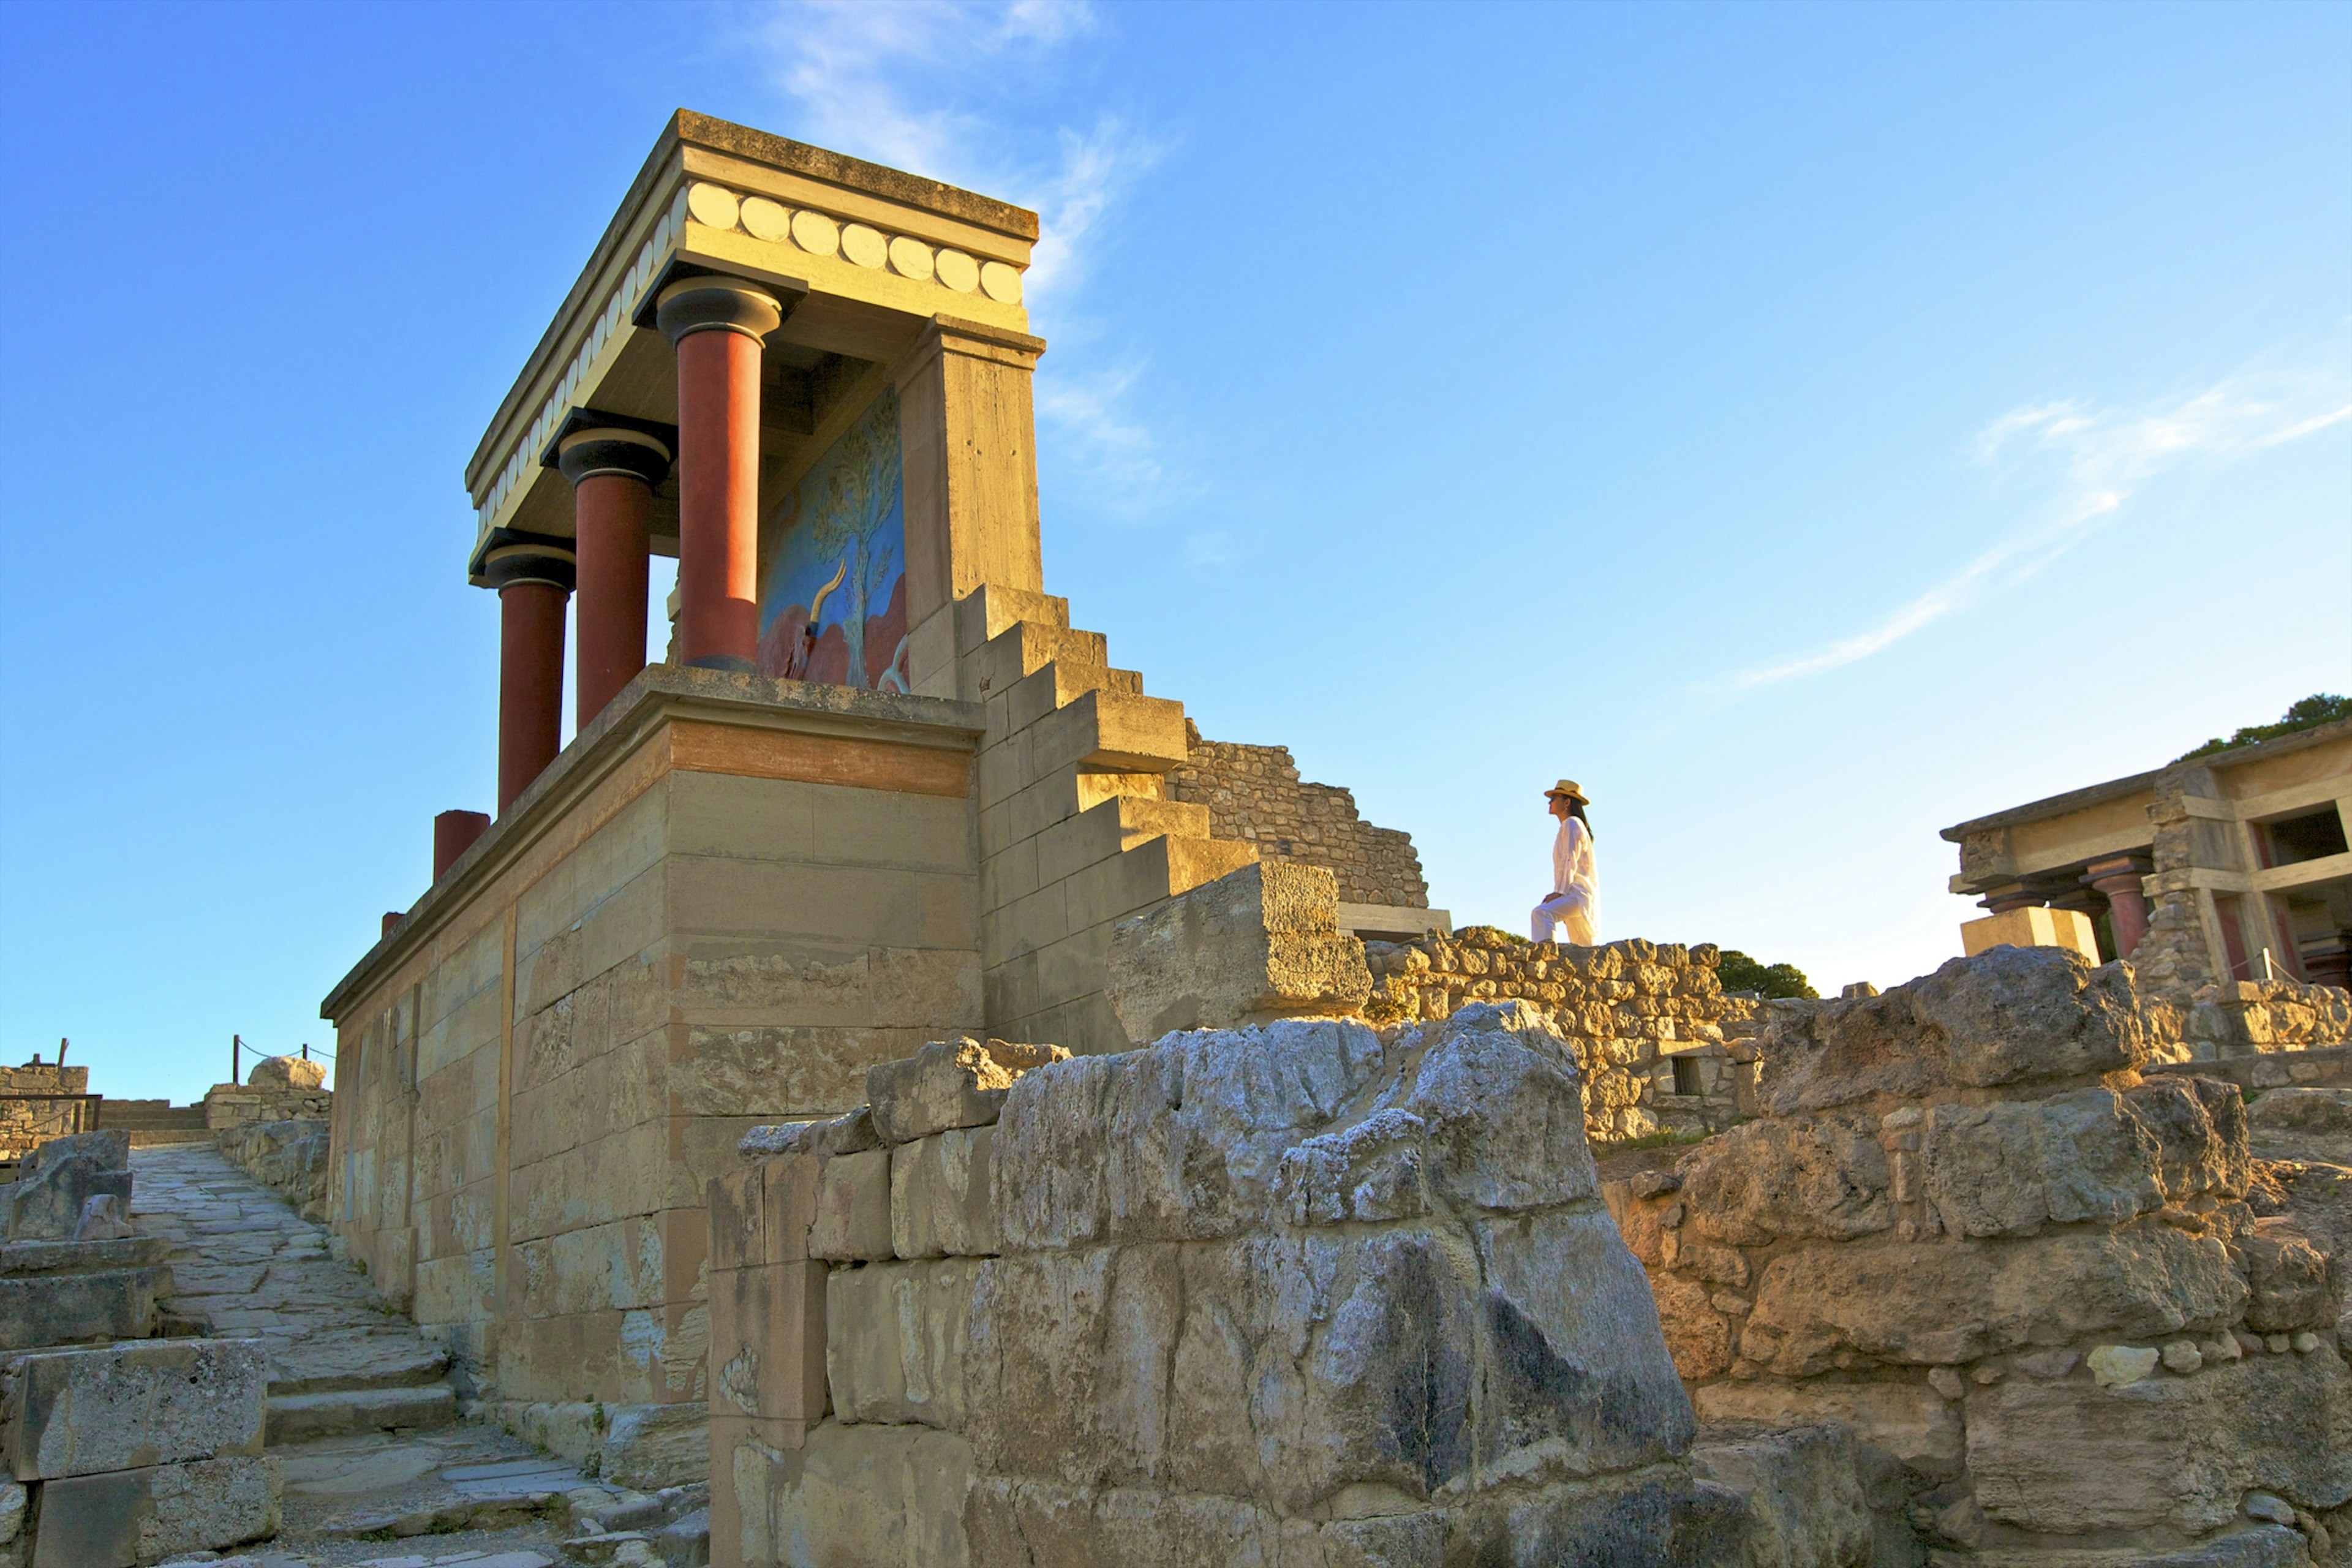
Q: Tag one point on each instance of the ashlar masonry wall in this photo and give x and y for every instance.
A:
(1254, 796)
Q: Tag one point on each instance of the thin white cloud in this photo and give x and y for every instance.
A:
(2097, 461)
(895, 82)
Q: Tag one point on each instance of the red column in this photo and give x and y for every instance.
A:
(454, 833)
(2120, 880)
(533, 583)
(717, 325)
(613, 465)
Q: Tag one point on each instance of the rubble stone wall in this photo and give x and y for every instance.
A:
(1305, 1292)
(1254, 795)
(2060, 1301)
(1626, 1009)
(27, 1124)
(290, 1155)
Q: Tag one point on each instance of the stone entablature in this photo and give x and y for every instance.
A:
(725, 199)
(1254, 796)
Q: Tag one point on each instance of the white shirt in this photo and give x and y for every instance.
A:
(1573, 913)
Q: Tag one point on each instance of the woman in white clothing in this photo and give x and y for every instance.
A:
(1572, 912)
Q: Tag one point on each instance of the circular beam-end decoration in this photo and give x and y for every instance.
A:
(1000, 283)
(766, 220)
(910, 259)
(717, 305)
(714, 205)
(815, 233)
(958, 271)
(865, 245)
(531, 563)
(588, 453)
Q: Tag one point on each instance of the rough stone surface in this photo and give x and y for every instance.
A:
(1811, 1177)
(2009, 1169)
(852, 1221)
(57, 1180)
(1257, 943)
(947, 1084)
(119, 1518)
(287, 1072)
(1254, 795)
(75, 1413)
(1804, 1483)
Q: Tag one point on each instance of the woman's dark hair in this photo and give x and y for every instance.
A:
(1576, 810)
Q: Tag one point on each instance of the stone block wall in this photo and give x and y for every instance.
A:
(2060, 1301)
(1626, 1009)
(27, 1124)
(290, 1155)
(1305, 1292)
(132, 1454)
(2254, 1017)
(1254, 796)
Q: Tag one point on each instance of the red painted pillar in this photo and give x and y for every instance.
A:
(2119, 877)
(454, 833)
(533, 581)
(717, 325)
(614, 465)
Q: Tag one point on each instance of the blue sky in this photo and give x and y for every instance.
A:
(1806, 427)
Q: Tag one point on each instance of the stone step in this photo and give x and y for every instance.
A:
(1028, 647)
(1114, 826)
(295, 1416)
(1111, 731)
(342, 1359)
(1053, 686)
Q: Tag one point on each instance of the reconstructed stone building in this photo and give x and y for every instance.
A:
(2231, 867)
(882, 793)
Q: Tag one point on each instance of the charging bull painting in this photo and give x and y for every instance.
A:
(834, 606)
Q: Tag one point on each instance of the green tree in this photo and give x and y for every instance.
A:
(2320, 708)
(1742, 972)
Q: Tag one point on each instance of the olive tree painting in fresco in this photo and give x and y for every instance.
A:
(833, 607)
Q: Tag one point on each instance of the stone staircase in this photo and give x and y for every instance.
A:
(154, 1121)
(1076, 830)
(242, 1263)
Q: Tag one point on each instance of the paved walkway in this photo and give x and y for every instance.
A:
(362, 1418)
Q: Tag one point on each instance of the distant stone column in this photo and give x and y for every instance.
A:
(2118, 877)
(717, 325)
(454, 833)
(614, 465)
(533, 581)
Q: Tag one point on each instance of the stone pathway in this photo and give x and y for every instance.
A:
(380, 1469)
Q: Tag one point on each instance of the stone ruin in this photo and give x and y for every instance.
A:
(1305, 1292)
(126, 1438)
(1987, 1270)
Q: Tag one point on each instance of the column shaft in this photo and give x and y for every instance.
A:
(611, 511)
(719, 498)
(530, 684)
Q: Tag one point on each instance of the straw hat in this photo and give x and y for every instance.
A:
(1567, 789)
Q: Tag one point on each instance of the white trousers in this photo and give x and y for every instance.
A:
(1564, 917)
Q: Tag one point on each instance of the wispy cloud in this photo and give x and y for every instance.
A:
(902, 83)
(2096, 460)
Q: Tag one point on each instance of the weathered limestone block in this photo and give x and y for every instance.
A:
(2289, 1276)
(897, 1349)
(1954, 1302)
(948, 1084)
(59, 1306)
(60, 1177)
(2006, 1169)
(1178, 1142)
(286, 1073)
(1370, 1171)
(2071, 1457)
(2200, 1123)
(1905, 1421)
(1803, 1483)
(768, 1340)
(73, 1412)
(653, 1446)
(2002, 1016)
(848, 1496)
(852, 1222)
(119, 1518)
(939, 1205)
(1814, 1176)
(1257, 943)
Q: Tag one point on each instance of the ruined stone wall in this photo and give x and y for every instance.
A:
(2062, 1303)
(1624, 1008)
(27, 1124)
(1254, 795)
(2252, 1017)
(1305, 1292)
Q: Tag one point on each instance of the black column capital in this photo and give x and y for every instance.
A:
(532, 559)
(588, 443)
